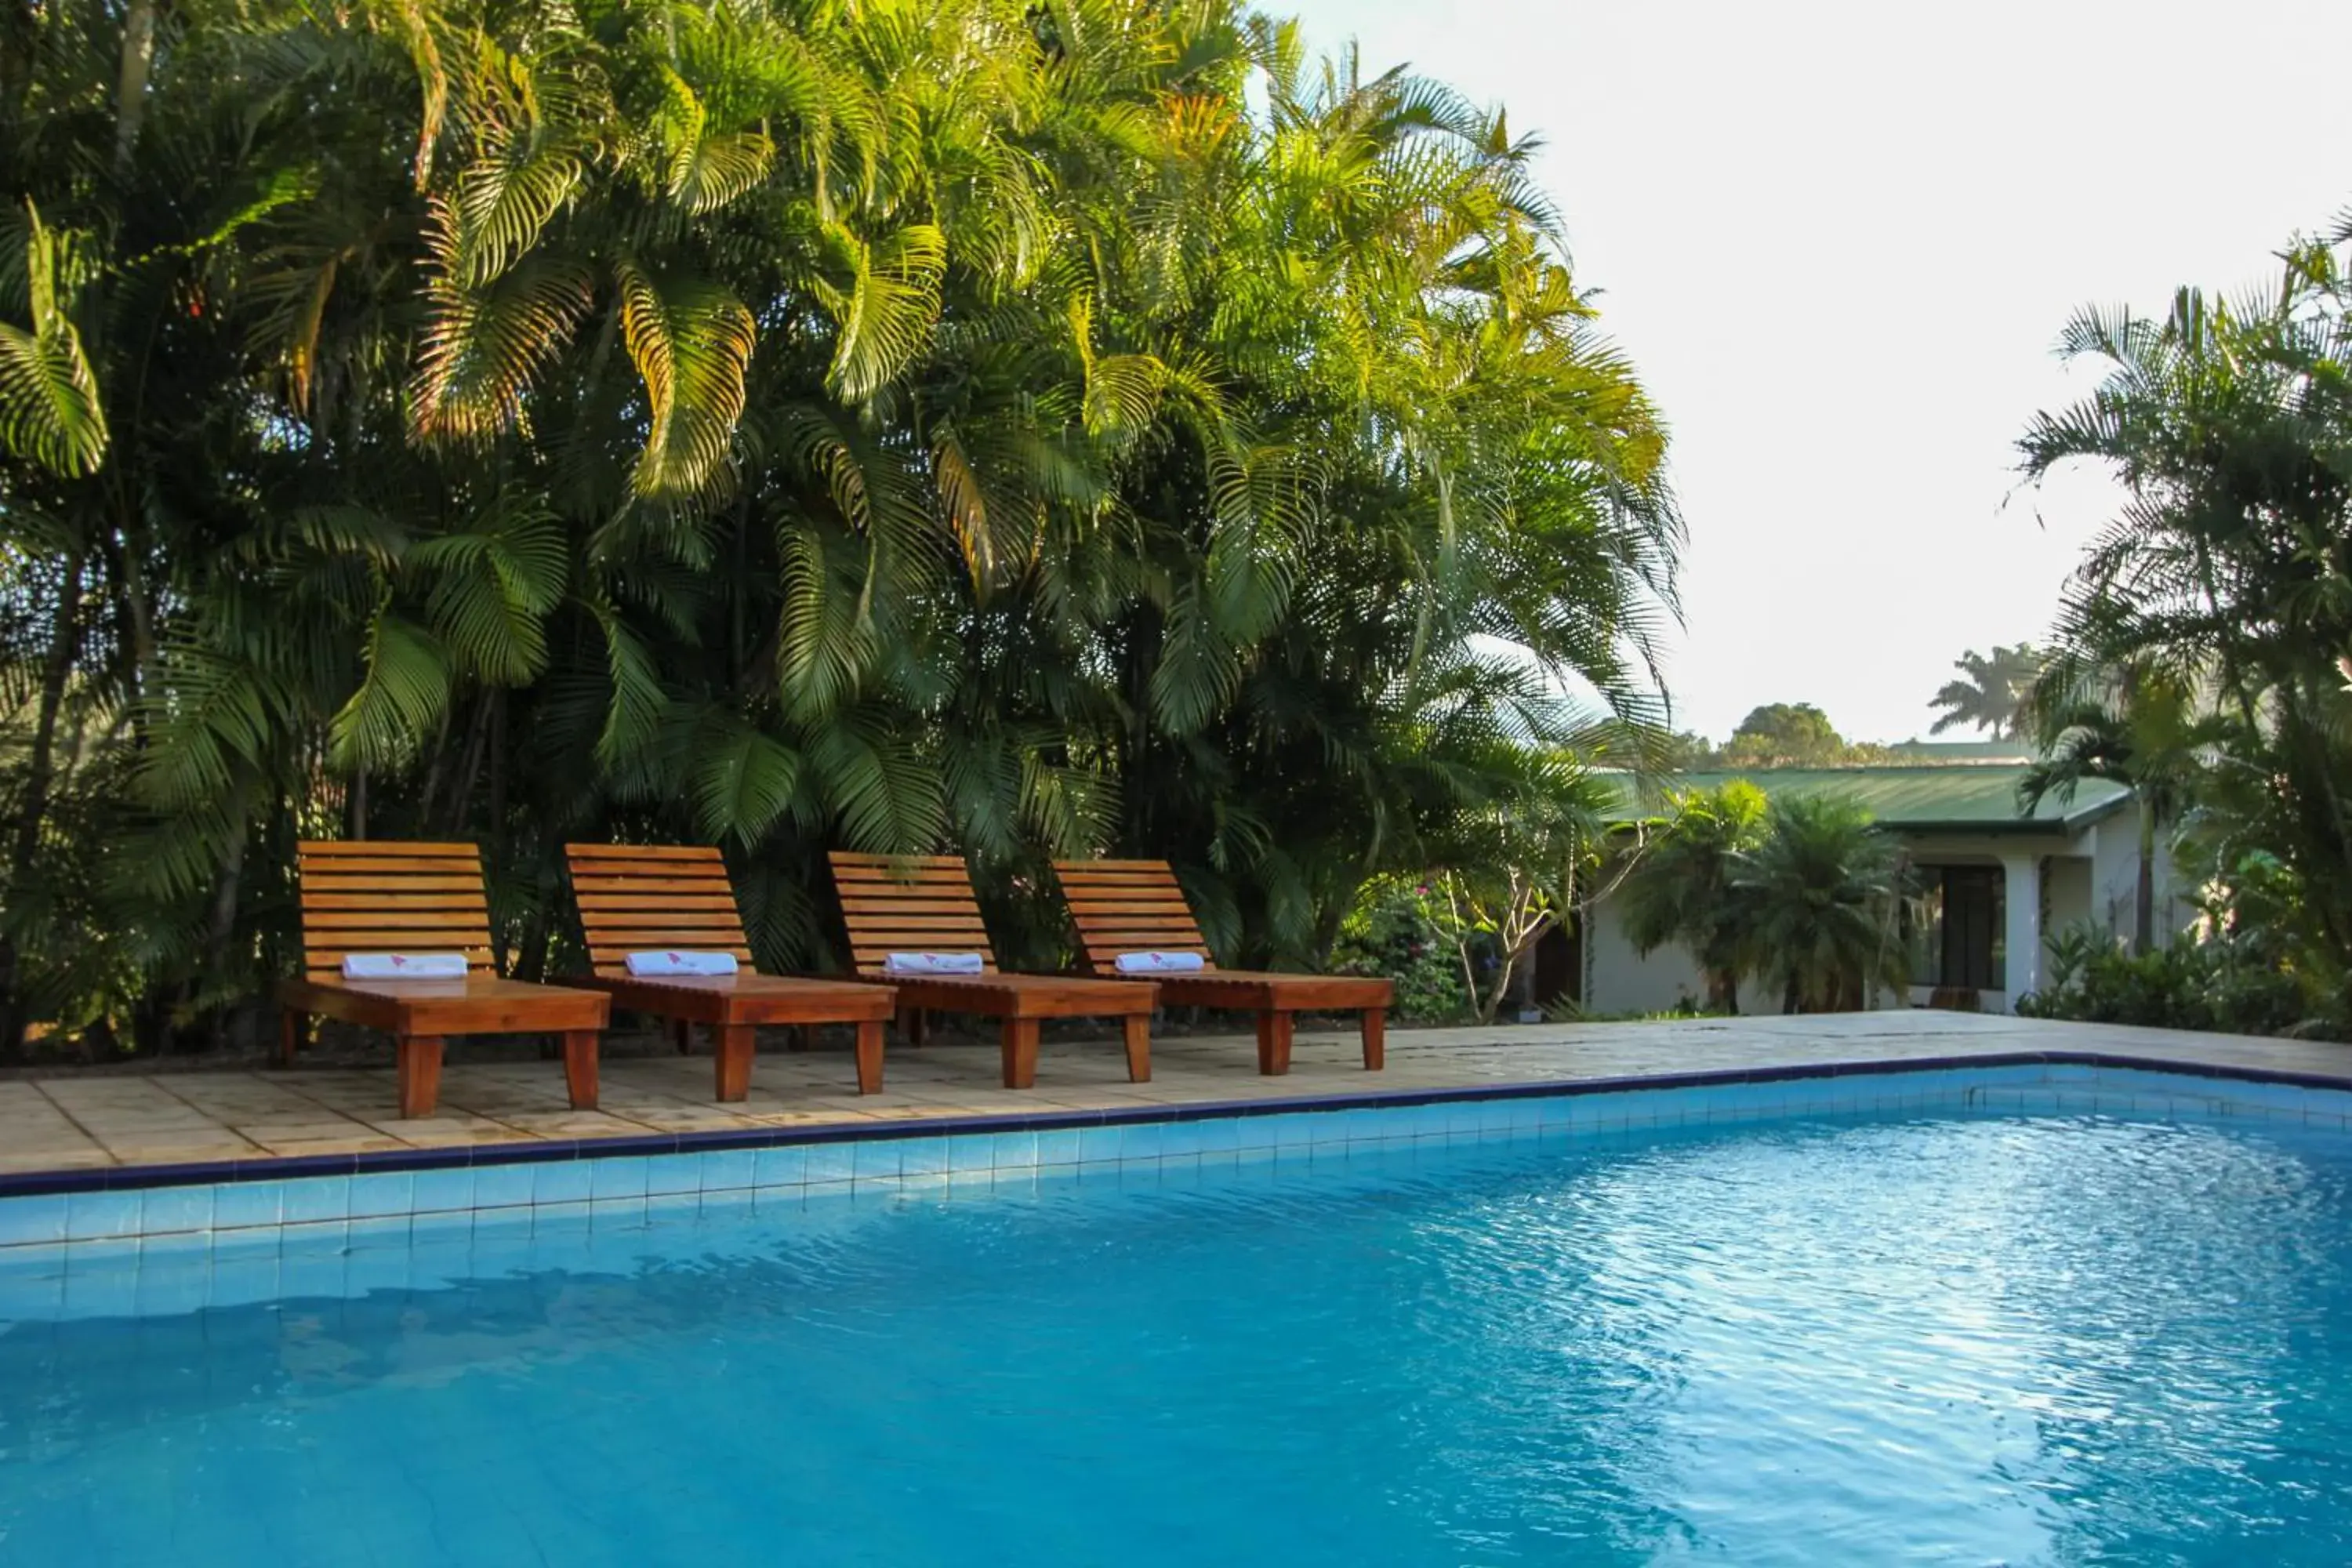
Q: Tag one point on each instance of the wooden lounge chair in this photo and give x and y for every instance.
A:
(635, 897)
(378, 896)
(1136, 906)
(925, 904)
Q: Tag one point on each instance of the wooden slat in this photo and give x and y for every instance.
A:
(912, 876)
(351, 869)
(727, 934)
(638, 897)
(337, 925)
(913, 904)
(683, 879)
(1129, 906)
(373, 884)
(470, 898)
(393, 848)
(588, 853)
(604, 902)
(387, 896)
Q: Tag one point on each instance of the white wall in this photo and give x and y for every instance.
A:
(2081, 878)
(2115, 874)
(1619, 980)
(2066, 892)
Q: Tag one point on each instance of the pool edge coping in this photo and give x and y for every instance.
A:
(274, 1168)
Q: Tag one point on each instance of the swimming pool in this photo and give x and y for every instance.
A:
(1980, 1316)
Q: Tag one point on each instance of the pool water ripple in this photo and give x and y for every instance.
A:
(1979, 1340)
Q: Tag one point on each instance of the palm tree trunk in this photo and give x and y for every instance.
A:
(1723, 991)
(130, 91)
(2144, 894)
(39, 773)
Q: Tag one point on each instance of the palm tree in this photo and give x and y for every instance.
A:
(2134, 727)
(1992, 692)
(1821, 898)
(1685, 889)
(2228, 569)
(915, 424)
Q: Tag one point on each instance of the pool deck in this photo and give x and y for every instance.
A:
(100, 1121)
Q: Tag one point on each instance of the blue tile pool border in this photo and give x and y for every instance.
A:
(476, 1157)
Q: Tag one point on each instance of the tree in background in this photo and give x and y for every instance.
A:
(779, 424)
(1820, 899)
(1784, 735)
(1513, 873)
(1992, 693)
(1683, 890)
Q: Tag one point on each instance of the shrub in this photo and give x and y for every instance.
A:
(1393, 932)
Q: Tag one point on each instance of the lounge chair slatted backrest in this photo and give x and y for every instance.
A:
(1129, 906)
(637, 898)
(909, 903)
(370, 896)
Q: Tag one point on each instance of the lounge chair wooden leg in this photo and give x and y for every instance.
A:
(869, 1055)
(681, 1033)
(420, 1074)
(734, 1057)
(580, 1068)
(1376, 1038)
(1020, 1039)
(1138, 1030)
(290, 1028)
(919, 1026)
(1274, 1029)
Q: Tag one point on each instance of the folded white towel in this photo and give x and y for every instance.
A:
(404, 966)
(1161, 963)
(933, 964)
(669, 962)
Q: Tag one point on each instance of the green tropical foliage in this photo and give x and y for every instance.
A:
(2225, 583)
(1034, 428)
(1513, 872)
(1790, 735)
(2138, 727)
(1682, 892)
(1801, 891)
(1821, 901)
(1992, 694)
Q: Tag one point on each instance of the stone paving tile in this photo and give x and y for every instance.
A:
(69, 1121)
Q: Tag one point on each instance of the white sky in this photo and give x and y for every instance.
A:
(1838, 240)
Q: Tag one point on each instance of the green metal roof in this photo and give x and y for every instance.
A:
(1960, 797)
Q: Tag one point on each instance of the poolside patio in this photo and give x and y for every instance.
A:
(86, 1119)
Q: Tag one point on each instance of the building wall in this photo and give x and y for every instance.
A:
(2081, 877)
(1619, 980)
(2115, 875)
(2066, 892)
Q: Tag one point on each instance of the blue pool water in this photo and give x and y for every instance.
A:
(1970, 1339)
